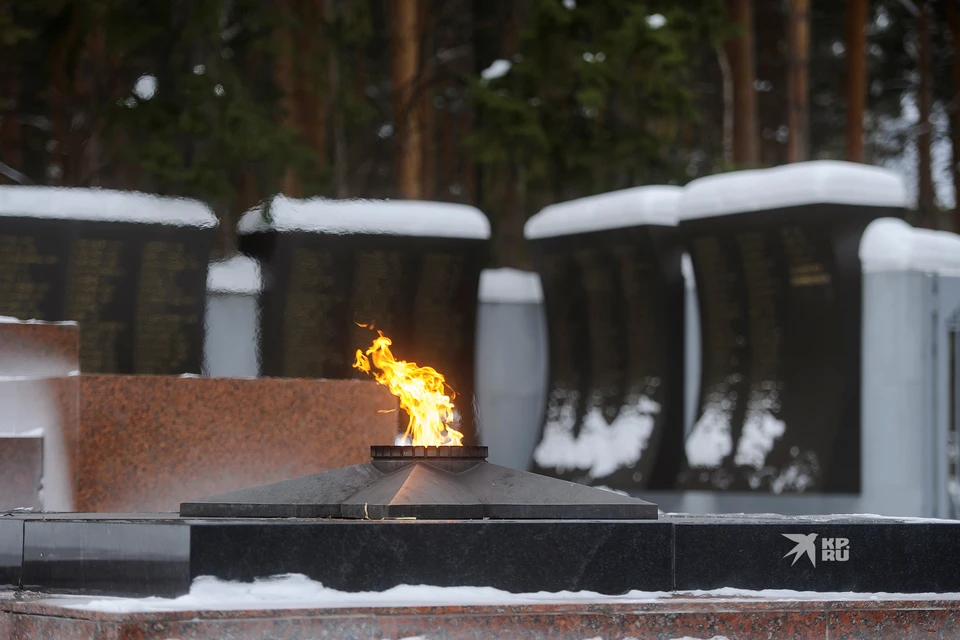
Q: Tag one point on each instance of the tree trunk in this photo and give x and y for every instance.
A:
(740, 53)
(856, 77)
(798, 32)
(428, 113)
(404, 45)
(953, 23)
(311, 94)
(925, 205)
(726, 75)
(11, 142)
(335, 97)
(285, 81)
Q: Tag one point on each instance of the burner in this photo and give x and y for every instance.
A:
(416, 452)
(425, 483)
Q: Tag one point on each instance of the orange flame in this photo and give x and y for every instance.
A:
(421, 391)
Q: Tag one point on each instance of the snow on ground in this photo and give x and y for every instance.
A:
(890, 244)
(387, 217)
(801, 183)
(104, 205)
(510, 286)
(239, 274)
(614, 210)
(296, 591)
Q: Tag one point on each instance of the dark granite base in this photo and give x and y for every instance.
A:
(160, 554)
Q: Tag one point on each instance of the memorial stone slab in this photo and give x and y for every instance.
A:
(409, 268)
(775, 255)
(614, 297)
(129, 267)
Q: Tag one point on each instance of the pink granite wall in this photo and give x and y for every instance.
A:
(148, 443)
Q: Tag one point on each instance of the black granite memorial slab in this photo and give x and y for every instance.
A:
(528, 556)
(817, 554)
(615, 307)
(421, 291)
(159, 554)
(136, 285)
(780, 317)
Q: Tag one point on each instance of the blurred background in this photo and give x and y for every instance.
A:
(522, 194)
(508, 106)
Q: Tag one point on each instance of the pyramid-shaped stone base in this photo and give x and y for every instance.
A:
(429, 486)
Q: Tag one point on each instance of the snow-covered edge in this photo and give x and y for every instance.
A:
(12, 320)
(655, 204)
(890, 244)
(296, 591)
(103, 205)
(801, 183)
(510, 286)
(239, 274)
(388, 217)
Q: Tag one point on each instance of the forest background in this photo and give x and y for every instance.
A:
(508, 105)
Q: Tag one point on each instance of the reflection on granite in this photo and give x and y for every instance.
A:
(21, 471)
(39, 349)
(38, 399)
(148, 443)
(116, 558)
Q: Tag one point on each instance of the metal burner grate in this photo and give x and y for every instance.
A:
(390, 452)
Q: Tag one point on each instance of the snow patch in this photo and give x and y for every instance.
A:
(890, 244)
(801, 183)
(656, 21)
(497, 69)
(710, 440)
(239, 274)
(382, 217)
(614, 210)
(510, 286)
(103, 205)
(146, 87)
(601, 448)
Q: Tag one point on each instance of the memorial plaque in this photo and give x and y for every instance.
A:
(780, 304)
(137, 289)
(420, 291)
(614, 302)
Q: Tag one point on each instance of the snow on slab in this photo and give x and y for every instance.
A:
(239, 274)
(387, 217)
(103, 205)
(510, 286)
(613, 210)
(12, 320)
(890, 244)
(296, 591)
(801, 183)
